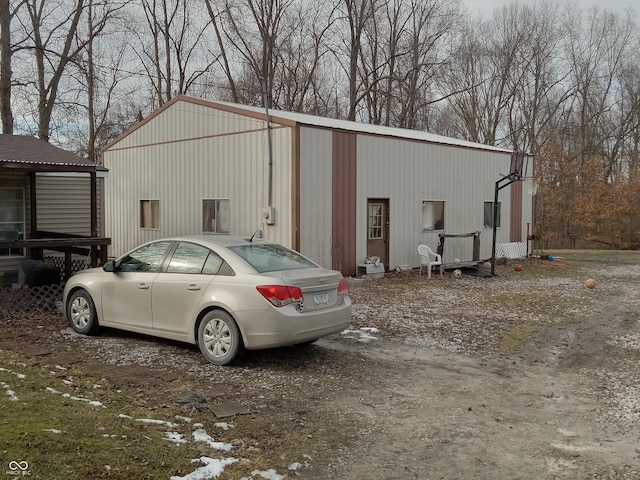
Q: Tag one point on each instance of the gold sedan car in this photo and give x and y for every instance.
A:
(223, 293)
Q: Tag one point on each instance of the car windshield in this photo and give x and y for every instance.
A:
(271, 258)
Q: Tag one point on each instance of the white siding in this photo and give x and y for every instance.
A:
(409, 172)
(181, 174)
(316, 194)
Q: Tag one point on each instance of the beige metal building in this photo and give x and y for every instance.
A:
(335, 190)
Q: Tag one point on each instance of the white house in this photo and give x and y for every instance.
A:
(335, 190)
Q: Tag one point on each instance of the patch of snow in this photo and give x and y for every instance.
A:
(212, 468)
(52, 430)
(157, 422)
(174, 437)
(66, 382)
(224, 425)
(52, 390)
(295, 466)
(184, 419)
(199, 435)
(97, 385)
(270, 474)
(10, 393)
(122, 415)
(60, 367)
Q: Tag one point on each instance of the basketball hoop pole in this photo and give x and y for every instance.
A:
(515, 174)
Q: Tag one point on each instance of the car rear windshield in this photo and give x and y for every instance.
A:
(271, 258)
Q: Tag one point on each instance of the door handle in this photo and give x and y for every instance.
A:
(193, 287)
(143, 286)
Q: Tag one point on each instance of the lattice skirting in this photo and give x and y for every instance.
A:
(511, 250)
(25, 299)
(77, 263)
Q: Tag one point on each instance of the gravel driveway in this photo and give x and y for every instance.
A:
(526, 375)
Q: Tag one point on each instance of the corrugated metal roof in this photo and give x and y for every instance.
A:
(360, 127)
(23, 150)
(280, 116)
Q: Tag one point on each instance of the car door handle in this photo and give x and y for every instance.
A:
(143, 286)
(193, 287)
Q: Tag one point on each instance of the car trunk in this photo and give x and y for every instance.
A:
(319, 286)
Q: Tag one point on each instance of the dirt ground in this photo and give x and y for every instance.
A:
(527, 375)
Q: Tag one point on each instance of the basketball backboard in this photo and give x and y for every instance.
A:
(517, 163)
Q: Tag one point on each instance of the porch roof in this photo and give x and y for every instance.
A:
(23, 153)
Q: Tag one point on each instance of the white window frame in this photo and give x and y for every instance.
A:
(21, 234)
(489, 223)
(430, 222)
(155, 215)
(220, 221)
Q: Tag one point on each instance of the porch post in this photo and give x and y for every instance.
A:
(94, 216)
(34, 205)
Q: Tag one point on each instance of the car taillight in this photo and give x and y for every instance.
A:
(343, 287)
(280, 295)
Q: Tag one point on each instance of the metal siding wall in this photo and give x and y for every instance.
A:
(409, 172)
(182, 174)
(185, 120)
(344, 179)
(315, 194)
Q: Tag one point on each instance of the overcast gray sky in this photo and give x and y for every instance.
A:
(486, 6)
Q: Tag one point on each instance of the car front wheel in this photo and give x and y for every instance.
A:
(219, 338)
(81, 313)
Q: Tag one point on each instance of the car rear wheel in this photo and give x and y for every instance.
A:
(81, 313)
(219, 338)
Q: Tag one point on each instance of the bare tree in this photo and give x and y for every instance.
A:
(6, 56)
(170, 49)
(53, 29)
(299, 71)
(358, 14)
(490, 66)
(256, 30)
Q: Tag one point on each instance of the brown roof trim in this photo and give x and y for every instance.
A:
(201, 102)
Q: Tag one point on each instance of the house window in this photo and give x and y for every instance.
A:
(150, 214)
(11, 218)
(432, 215)
(215, 215)
(376, 220)
(488, 215)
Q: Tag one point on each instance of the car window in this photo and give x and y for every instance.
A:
(272, 258)
(147, 258)
(212, 265)
(188, 258)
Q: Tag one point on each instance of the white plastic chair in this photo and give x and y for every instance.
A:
(429, 259)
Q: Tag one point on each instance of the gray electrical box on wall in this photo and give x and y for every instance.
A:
(269, 215)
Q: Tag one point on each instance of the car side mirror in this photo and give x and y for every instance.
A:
(110, 266)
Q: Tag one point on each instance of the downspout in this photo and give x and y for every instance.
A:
(270, 174)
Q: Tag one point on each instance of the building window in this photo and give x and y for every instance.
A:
(11, 218)
(150, 214)
(215, 216)
(488, 215)
(432, 215)
(376, 221)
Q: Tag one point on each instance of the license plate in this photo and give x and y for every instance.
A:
(320, 298)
